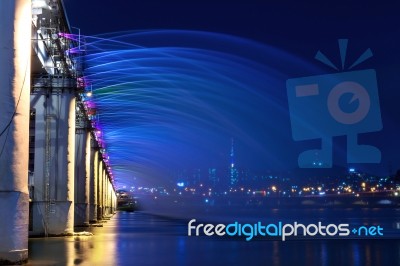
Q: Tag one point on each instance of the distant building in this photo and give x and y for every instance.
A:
(196, 177)
(190, 177)
(212, 177)
(234, 174)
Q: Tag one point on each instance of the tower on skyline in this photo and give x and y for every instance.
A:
(234, 177)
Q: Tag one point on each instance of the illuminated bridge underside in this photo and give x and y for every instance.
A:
(59, 179)
(69, 183)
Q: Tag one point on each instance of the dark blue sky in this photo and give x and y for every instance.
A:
(298, 26)
(295, 27)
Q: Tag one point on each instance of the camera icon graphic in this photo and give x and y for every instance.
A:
(340, 104)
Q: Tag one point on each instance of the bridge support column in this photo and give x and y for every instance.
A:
(105, 206)
(82, 176)
(15, 32)
(53, 204)
(105, 178)
(107, 194)
(114, 203)
(88, 174)
(94, 179)
(110, 192)
(100, 192)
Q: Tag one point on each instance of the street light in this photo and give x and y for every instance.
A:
(89, 93)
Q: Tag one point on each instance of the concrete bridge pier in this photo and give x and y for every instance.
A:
(109, 195)
(15, 32)
(53, 204)
(82, 177)
(100, 192)
(106, 191)
(114, 201)
(93, 185)
(105, 195)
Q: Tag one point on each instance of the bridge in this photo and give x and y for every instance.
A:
(54, 174)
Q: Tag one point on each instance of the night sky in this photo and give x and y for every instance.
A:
(294, 28)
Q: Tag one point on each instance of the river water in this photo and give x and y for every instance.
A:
(135, 238)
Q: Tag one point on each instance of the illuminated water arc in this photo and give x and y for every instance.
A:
(168, 96)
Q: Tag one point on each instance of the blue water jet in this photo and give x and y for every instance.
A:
(171, 99)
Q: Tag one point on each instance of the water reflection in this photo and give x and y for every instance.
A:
(140, 239)
(99, 249)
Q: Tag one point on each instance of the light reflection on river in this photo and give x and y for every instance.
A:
(141, 239)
